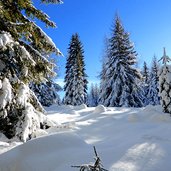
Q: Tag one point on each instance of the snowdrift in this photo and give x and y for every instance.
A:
(127, 139)
(46, 153)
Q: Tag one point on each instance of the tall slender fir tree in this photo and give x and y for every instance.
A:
(119, 88)
(153, 90)
(145, 73)
(103, 69)
(75, 79)
(145, 84)
(93, 95)
(22, 44)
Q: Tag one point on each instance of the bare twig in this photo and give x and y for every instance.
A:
(96, 167)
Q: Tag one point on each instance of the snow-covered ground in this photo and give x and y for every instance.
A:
(126, 139)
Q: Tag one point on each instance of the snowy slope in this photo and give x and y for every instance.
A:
(127, 139)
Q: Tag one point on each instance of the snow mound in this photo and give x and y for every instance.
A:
(40, 133)
(100, 109)
(45, 153)
(153, 114)
(67, 106)
(151, 108)
(80, 107)
(161, 118)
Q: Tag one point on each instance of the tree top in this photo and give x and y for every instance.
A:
(165, 59)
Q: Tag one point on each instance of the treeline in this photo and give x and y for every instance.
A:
(121, 83)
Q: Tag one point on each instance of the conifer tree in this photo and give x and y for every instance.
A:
(47, 92)
(75, 79)
(23, 46)
(119, 88)
(93, 95)
(103, 69)
(145, 73)
(165, 83)
(145, 84)
(153, 90)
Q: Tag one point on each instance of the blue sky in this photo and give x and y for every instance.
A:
(147, 21)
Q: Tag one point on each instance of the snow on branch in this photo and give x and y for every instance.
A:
(31, 11)
(5, 38)
(45, 40)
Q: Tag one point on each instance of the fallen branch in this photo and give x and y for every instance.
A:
(96, 167)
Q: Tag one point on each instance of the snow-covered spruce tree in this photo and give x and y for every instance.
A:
(120, 88)
(145, 84)
(153, 90)
(75, 79)
(145, 73)
(22, 44)
(93, 95)
(47, 92)
(165, 84)
(104, 68)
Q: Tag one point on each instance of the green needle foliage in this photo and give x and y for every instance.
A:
(24, 51)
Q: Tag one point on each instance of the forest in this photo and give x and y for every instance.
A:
(128, 109)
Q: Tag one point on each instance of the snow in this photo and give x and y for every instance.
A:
(168, 76)
(164, 87)
(23, 93)
(49, 40)
(30, 119)
(6, 93)
(82, 106)
(99, 109)
(126, 139)
(5, 38)
(6, 144)
(26, 55)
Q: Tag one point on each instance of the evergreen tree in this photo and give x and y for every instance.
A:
(93, 95)
(153, 91)
(46, 92)
(119, 88)
(165, 84)
(22, 44)
(75, 79)
(145, 84)
(103, 69)
(145, 73)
